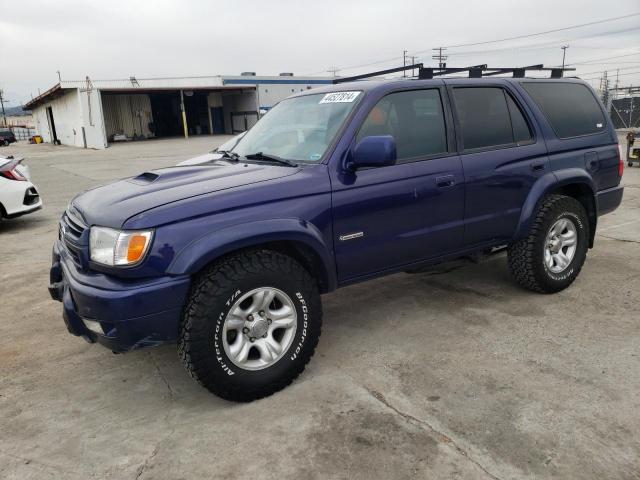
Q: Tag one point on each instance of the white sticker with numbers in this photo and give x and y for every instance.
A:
(340, 97)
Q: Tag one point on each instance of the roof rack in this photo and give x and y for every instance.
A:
(475, 71)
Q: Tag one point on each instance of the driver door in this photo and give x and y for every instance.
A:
(389, 217)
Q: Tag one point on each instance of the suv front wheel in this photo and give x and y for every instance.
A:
(250, 325)
(550, 258)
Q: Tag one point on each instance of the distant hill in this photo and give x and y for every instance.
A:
(15, 111)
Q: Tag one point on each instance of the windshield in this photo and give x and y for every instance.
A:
(229, 144)
(299, 128)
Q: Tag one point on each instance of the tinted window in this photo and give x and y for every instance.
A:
(521, 131)
(571, 108)
(483, 116)
(414, 118)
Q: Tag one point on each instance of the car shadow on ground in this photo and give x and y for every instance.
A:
(441, 288)
(20, 224)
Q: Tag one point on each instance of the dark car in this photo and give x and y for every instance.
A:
(7, 137)
(335, 186)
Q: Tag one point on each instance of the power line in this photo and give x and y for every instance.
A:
(602, 71)
(627, 73)
(586, 62)
(546, 32)
(540, 33)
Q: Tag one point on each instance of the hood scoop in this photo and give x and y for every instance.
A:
(145, 178)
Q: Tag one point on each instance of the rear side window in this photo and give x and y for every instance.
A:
(521, 130)
(414, 118)
(570, 108)
(484, 117)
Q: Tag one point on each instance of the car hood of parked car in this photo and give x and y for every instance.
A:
(112, 204)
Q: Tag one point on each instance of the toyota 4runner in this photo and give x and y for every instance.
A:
(335, 186)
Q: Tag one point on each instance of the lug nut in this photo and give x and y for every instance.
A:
(264, 336)
(252, 339)
(261, 313)
(245, 330)
(250, 318)
(269, 321)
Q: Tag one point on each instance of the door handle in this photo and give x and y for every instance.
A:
(537, 166)
(445, 181)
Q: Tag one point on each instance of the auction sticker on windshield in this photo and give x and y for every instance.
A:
(340, 97)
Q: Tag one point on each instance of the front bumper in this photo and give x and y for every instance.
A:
(131, 313)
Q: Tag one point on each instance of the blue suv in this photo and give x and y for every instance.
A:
(332, 187)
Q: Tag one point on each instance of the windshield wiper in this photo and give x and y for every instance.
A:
(228, 154)
(270, 158)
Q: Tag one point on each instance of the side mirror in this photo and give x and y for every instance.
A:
(374, 151)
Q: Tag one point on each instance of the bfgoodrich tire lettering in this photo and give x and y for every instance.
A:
(527, 256)
(215, 291)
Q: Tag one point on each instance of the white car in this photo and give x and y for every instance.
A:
(216, 154)
(18, 196)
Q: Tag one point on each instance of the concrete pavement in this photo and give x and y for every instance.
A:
(454, 373)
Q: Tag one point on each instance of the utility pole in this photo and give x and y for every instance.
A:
(564, 53)
(333, 71)
(440, 57)
(413, 62)
(404, 62)
(59, 77)
(4, 116)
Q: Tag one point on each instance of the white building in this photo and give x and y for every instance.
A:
(91, 114)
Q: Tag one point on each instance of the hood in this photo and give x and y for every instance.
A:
(111, 205)
(206, 158)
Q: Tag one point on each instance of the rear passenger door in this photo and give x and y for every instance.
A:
(502, 155)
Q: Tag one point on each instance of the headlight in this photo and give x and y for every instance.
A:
(118, 248)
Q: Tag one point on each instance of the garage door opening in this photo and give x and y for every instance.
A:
(167, 118)
(196, 109)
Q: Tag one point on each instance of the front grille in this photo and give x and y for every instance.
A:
(73, 224)
(74, 252)
(74, 235)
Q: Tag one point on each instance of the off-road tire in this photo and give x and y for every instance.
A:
(211, 297)
(526, 256)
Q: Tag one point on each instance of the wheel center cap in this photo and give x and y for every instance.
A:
(258, 327)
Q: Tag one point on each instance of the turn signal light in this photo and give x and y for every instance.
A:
(137, 247)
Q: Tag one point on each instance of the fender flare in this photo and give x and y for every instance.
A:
(207, 248)
(547, 184)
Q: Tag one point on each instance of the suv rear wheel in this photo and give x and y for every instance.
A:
(251, 324)
(550, 258)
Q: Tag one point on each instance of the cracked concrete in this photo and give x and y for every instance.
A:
(456, 373)
(439, 435)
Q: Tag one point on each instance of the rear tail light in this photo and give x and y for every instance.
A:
(9, 170)
(621, 163)
(13, 174)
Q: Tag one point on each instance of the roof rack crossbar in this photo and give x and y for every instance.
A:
(404, 68)
(474, 71)
(518, 72)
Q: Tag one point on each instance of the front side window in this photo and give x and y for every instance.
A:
(414, 118)
(299, 128)
(570, 108)
(484, 117)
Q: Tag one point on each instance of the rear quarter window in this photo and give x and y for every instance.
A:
(570, 108)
